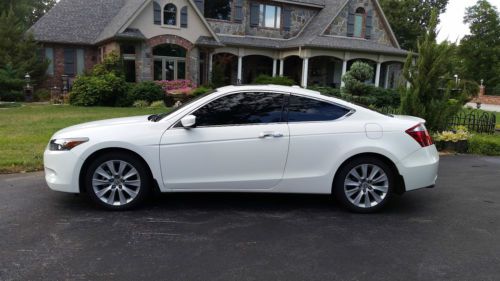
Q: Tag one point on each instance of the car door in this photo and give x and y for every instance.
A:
(240, 142)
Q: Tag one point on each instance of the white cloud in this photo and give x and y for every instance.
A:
(452, 26)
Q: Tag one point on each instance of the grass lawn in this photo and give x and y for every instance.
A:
(25, 131)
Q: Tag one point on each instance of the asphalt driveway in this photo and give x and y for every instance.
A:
(451, 232)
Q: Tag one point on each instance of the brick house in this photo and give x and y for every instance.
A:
(313, 42)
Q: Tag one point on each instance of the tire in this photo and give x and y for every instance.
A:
(364, 184)
(125, 187)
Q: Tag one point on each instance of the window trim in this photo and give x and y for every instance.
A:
(175, 125)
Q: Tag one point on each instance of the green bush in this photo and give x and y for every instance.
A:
(103, 90)
(141, 103)
(355, 79)
(201, 91)
(327, 91)
(218, 76)
(376, 97)
(41, 95)
(485, 145)
(263, 79)
(11, 96)
(157, 104)
(148, 91)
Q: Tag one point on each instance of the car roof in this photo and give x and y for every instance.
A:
(289, 89)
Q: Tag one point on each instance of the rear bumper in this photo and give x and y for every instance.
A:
(420, 169)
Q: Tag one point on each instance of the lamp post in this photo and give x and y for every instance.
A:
(456, 79)
(28, 89)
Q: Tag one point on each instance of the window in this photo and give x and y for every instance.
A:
(359, 22)
(170, 14)
(169, 62)
(218, 9)
(270, 16)
(80, 61)
(128, 54)
(302, 109)
(49, 55)
(242, 108)
(69, 62)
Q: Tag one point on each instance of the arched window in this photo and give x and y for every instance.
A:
(170, 14)
(359, 22)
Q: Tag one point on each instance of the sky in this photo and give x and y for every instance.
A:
(452, 26)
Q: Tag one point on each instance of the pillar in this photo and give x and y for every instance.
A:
(377, 74)
(344, 70)
(282, 67)
(305, 72)
(240, 70)
(275, 62)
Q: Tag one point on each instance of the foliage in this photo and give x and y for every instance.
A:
(26, 130)
(218, 76)
(141, 103)
(41, 95)
(157, 104)
(29, 11)
(425, 98)
(355, 79)
(485, 145)
(176, 86)
(375, 97)
(327, 91)
(148, 91)
(480, 51)
(201, 91)
(459, 133)
(410, 19)
(103, 90)
(112, 63)
(18, 55)
(11, 96)
(264, 79)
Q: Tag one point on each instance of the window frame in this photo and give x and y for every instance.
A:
(176, 16)
(277, 20)
(363, 23)
(284, 112)
(74, 62)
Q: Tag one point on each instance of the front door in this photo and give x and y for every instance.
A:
(240, 143)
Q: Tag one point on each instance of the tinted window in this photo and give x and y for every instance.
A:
(305, 109)
(242, 108)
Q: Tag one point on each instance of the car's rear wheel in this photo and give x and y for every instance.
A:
(364, 184)
(117, 181)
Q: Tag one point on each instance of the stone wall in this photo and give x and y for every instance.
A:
(300, 16)
(379, 32)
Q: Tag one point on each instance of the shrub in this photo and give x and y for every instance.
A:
(218, 76)
(355, 79)
(459, 133)
(201, 91)
(264, 79)
(103, 90)
(485, 145)
(148, 91)
(42, 95)
(141, 103)
(11, 96)
(327, 91)
(176, 86)
(157, 104)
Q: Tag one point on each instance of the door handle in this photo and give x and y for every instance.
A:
(264, 135)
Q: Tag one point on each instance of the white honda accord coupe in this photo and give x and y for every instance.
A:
(247, 139)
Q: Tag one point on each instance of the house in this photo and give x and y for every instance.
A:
(313, 42)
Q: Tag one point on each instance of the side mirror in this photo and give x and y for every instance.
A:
(188, 121)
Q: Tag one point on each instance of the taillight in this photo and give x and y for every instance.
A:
(420, 134)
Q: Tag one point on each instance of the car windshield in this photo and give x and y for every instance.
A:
(158, 117)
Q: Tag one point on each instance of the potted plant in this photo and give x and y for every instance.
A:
(454, 140)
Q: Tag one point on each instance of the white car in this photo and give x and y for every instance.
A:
(247, 139)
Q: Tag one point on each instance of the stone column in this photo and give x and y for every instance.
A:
(305, 71)
(377, 74)
(240, 70)
(210, 65)
(282, 66)
(275, 66)
(344, 70)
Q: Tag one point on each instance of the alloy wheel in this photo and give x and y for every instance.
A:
(366, 185)
(116, 182)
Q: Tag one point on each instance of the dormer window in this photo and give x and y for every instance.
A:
(170, 14)
(219, 10)
(270, 16)
(359, 22)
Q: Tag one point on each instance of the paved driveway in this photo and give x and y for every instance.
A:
(451, 232)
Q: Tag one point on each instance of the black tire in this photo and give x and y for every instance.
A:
(340, 190)
(140, 192)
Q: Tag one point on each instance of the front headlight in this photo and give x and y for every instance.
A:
(66, 144)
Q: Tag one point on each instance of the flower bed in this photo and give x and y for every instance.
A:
(177, 86)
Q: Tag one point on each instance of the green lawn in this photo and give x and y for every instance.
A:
(26, 130)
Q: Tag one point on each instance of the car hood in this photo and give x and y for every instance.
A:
(105, 123)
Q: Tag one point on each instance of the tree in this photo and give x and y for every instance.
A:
(409, 19)
(28, 11)
(429, 96)
(18, 55)
(356, 77)
(479, 52)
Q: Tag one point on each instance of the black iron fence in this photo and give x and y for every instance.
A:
(475, 121)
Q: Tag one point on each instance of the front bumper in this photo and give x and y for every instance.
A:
(62, 170)
(420, 169)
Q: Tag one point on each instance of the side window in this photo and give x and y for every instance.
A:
(302, 109)
(242, 108)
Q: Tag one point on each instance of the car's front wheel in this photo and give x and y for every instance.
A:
(117, 181)
(364, 184)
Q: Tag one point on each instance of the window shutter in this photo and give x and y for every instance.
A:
(369, 24)
(350, 22)
(157, 13)
(287, 19)
(254, 14)
(201, 5)
(238, 14)
(184, 16)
